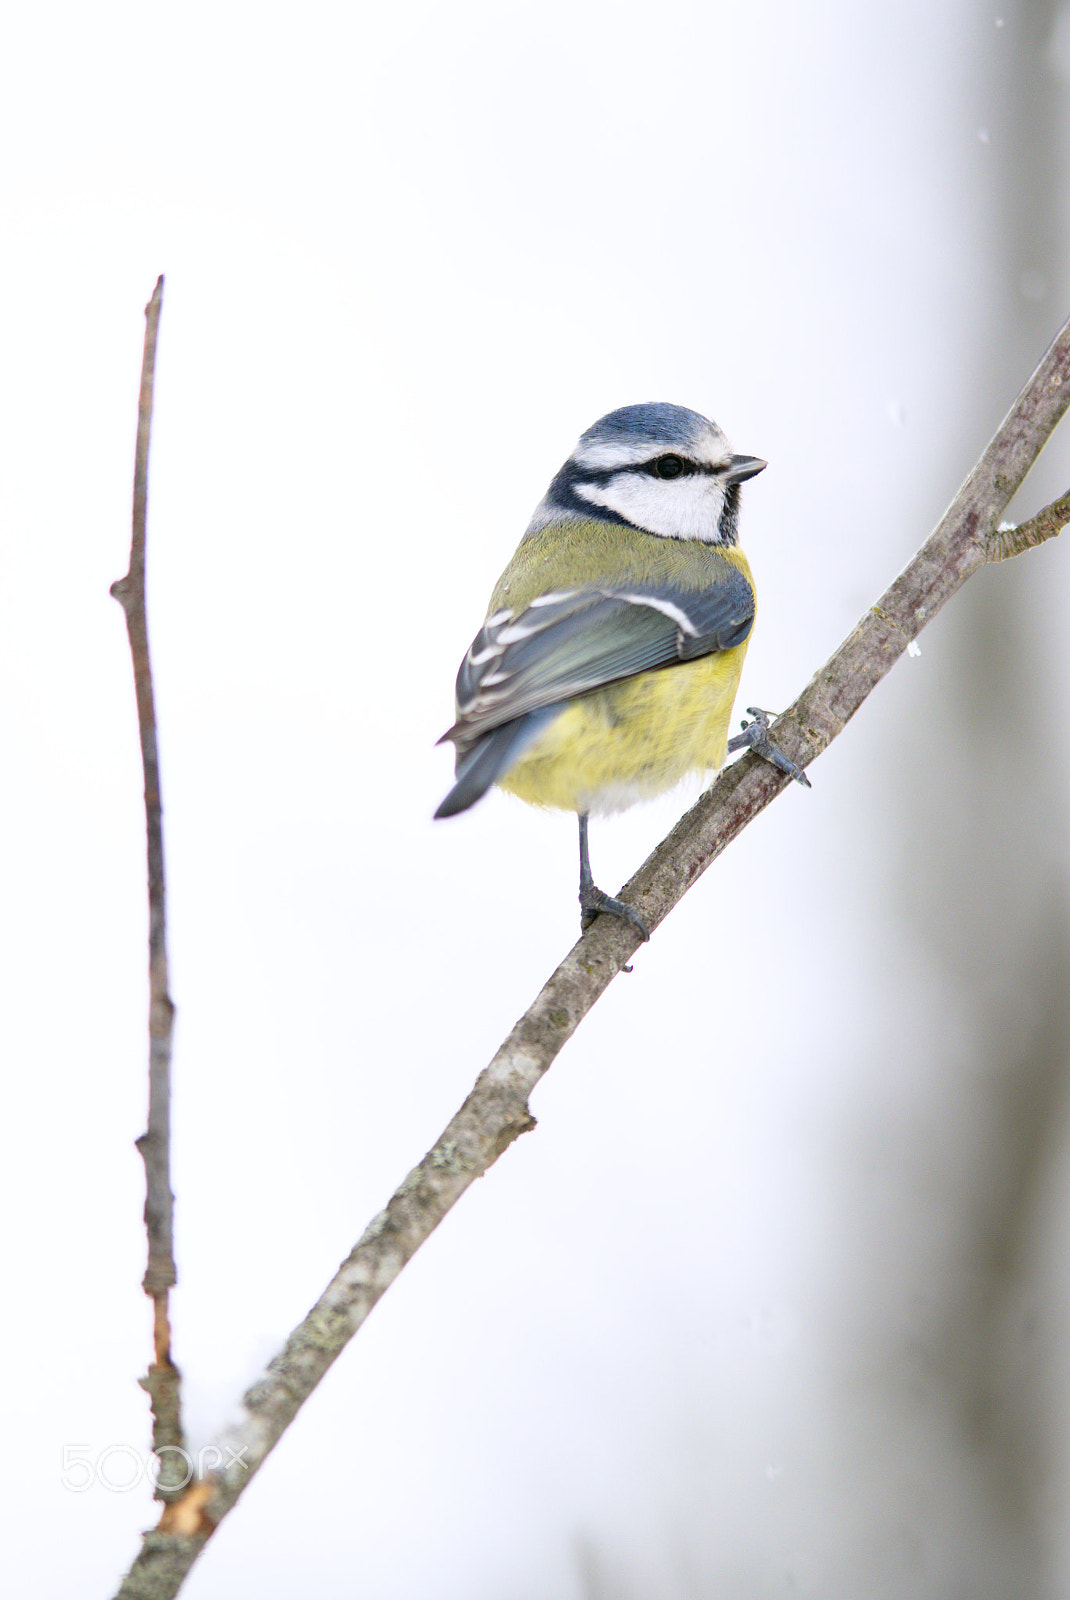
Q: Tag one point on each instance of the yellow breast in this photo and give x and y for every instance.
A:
(632, 740)
(636, 738)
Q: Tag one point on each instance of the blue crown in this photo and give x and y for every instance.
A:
(656, 419)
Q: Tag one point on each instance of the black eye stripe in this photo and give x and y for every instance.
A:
(579, 474)
(563, 489)
(687, 467)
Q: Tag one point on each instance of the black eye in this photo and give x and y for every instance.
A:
(668, 466)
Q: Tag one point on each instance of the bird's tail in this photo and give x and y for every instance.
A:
(490, 757)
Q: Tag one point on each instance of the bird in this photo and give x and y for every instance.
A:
(607, 665)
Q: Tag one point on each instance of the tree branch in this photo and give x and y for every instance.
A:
(496, 1111)
(1011, 539)
(162, 1379)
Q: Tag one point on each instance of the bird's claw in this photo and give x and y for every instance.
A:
(593, 901)
(755, 736)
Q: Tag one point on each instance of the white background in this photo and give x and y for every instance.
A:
(774, 1300)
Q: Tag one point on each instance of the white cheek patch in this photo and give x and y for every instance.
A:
(679, 508)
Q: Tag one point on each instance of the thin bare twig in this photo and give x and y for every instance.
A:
(1014, 538)
(162, 1379)
(496, 1111)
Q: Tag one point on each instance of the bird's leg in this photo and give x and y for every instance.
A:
(755, 736)
(593, 900)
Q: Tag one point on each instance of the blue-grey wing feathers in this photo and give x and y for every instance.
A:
(521, 669)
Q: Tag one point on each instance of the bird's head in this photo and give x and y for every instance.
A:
(658, 467)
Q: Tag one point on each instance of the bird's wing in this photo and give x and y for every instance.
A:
(571, 641)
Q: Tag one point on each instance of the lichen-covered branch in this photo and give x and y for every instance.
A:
(496, 1111)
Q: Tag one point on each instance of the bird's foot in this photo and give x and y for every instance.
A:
(593, 901)
(755, 736)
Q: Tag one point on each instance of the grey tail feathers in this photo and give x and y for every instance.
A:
(490, 757)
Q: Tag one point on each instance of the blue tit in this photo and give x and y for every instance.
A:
(611, 653)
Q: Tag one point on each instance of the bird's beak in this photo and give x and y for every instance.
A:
(740, 468)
